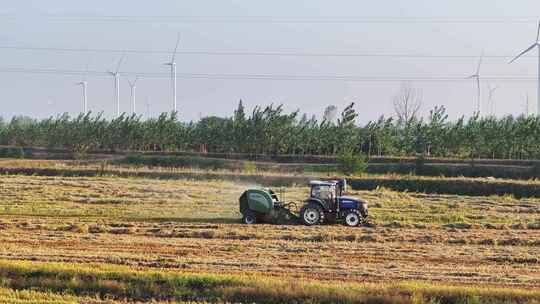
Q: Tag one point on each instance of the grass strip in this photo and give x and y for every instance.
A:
(121, 282)
(402, 183)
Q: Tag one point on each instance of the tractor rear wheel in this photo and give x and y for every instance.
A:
(312, 214)
(353, 218)
(249, 218)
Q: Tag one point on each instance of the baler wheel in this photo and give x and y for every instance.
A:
(249, 218)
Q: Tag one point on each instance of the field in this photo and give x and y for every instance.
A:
(106, 238)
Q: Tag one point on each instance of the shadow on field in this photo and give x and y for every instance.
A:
(192, 220)
(183, 220)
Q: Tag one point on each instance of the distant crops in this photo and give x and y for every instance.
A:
(509, 169)
(216, 169)
(271, 131)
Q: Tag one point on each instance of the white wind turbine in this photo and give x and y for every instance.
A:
(536, 44)
(133, 87)
(116, 75)
(476, 76)
(172, 63)
(84, 85)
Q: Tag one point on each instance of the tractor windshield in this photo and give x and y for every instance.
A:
(323, 192)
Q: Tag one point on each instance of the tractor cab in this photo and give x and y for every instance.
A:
(328, 192)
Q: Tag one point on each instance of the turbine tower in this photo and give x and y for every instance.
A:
(534, 45)
(84, 85)
(476, 76)
(116, 75)
(147, 109)
(172, 63)
(527, 104)
(133, 87)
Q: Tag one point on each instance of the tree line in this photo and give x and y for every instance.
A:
(270, 130)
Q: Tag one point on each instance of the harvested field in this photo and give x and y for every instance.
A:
(192, 226)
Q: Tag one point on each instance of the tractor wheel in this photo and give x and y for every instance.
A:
(353, 218)
(249, 218)
(312, 214)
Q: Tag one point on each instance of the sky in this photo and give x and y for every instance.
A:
(458, 30)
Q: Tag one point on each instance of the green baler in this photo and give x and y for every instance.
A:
(263, 205)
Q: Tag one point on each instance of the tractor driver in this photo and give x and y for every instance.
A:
(325, 193)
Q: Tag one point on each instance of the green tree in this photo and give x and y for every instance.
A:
(351, 162)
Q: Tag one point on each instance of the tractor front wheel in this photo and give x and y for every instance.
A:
(312, 214)
(353, 218)
(249, 218)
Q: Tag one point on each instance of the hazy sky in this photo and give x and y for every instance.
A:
(54, 24)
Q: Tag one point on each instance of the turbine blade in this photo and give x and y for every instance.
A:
(175, 48)
(523, 53)
(479, 64)
(119, 63)
(132, 83)
(538, 32)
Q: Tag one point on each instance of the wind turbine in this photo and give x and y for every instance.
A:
(116, 75)
(534, 45)
(84, 85)
(476, 76)
(172, 63)
(133, 87)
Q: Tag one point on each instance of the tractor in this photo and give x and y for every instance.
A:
(326, 203)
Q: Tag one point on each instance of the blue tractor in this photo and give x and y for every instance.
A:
(327, 203)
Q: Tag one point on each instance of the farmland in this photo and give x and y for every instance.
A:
(106, 232)
(257, 152)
